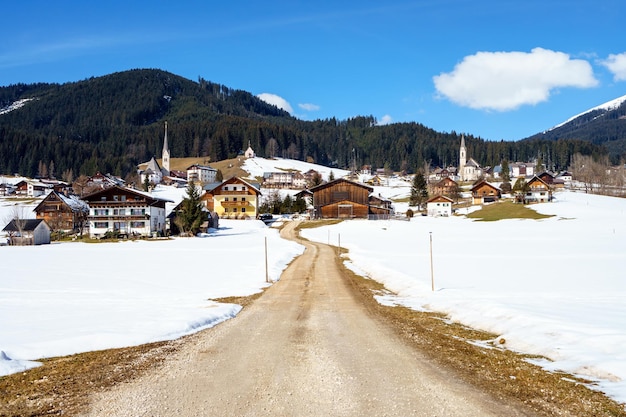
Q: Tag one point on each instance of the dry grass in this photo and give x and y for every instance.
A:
(61, 386)
(505, 210)
(506, 375)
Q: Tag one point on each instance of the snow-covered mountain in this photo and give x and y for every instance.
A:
(603, 125)
(603, 108)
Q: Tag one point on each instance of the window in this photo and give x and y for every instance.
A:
(137, 212)
(103, 198)
(137, 225)
(235, 210)
(235, 199)
(123, 198)
(101, 225)
(100, 212)
(243, 209)
(225, 198)
(243, 198)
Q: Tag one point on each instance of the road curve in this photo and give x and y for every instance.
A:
(306, 347)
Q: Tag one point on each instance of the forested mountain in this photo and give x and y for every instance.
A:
(602, 125)
(114, 122)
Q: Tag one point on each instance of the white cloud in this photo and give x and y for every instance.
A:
(309, 106)
(277, 101)
(385, 120)
(617, 65)
(507, 80)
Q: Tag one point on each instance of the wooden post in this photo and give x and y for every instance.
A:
(267, 276)
(432, 276)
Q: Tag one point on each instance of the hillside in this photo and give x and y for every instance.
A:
(114, 122)
(603, 125)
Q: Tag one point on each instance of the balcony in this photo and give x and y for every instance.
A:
(236, 204)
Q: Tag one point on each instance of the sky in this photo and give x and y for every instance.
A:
(493, 69)
(549, 299)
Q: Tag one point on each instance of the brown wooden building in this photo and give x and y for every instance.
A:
(483, 192)
(341, 198)
(63, 213)
(446, 186)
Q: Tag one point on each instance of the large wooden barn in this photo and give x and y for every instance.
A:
(341, 199)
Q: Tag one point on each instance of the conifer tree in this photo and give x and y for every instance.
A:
(419, 191)
(191, 216)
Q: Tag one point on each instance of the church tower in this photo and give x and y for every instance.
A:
(462, 158)
(165, 158)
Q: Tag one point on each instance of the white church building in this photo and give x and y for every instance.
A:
(154, 172)
(469, 170)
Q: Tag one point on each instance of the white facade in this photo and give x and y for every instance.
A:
(201, 174)
(439, 206)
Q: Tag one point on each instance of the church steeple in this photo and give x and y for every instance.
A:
(165, 158)
(462, 158)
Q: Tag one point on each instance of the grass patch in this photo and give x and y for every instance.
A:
(477, 358)
(505, 210)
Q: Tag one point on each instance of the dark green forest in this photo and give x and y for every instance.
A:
(115, 122)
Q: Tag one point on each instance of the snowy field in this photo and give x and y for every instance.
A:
(66, 298)
(553, 287)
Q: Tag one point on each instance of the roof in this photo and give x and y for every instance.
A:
(331, 183)
(72, 201)
(440, 198)
(232, 180)
(483, 182)
(126, 190)
(26, 225)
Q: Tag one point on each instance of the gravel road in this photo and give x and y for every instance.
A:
(304, 348)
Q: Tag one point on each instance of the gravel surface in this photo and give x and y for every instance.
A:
(305, 348)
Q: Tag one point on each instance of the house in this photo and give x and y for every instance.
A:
(538, 191)
(341, 198)
(484, 192)
(201, 174)
(234, 198)
(279, 179)
(552, 180)
(24, 232)
(520, 169)
(63, 213)
(37, 188)
(439, 205)
(124, 211)
(380, 206)
(447, 186)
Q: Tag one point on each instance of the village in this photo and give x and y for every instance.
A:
(104, 206)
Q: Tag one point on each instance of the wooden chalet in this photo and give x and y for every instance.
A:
(380, 206)
(484, 192)
(341, 198)
(539, 191)
(63, 213)
(124, 211)
(447, 186)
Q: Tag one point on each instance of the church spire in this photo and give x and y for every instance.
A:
(165, 158)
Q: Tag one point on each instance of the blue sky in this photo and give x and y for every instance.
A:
(494, 69)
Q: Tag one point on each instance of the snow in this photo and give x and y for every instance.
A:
(256, 167)
(15, 105)
(552, 287)
(67, 298)
(608, 106)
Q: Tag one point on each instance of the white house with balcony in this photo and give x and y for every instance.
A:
(123, 211)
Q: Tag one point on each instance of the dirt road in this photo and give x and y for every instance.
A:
(305, 348)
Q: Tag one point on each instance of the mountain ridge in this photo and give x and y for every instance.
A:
(114, 122)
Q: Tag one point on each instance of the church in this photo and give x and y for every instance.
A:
(154, 172)
(468, 170)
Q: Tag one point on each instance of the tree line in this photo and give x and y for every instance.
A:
(113, 123)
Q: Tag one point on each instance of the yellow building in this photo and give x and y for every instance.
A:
(233, 199)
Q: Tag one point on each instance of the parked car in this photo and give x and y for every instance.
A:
(265, 216)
